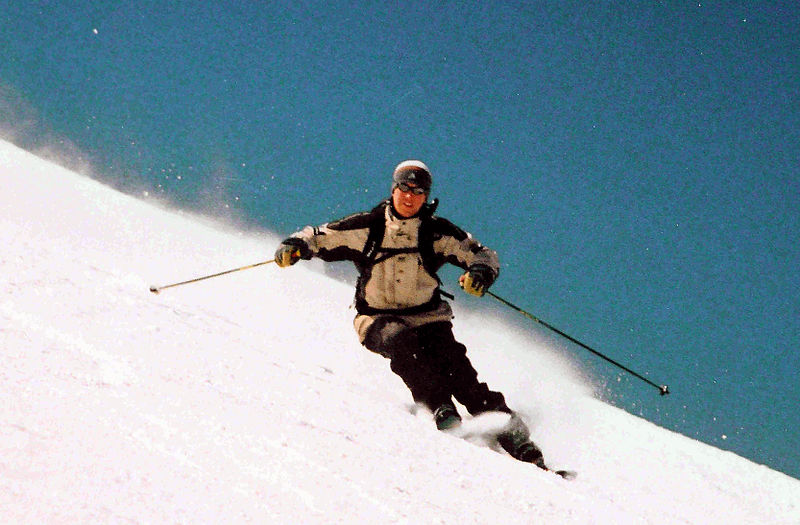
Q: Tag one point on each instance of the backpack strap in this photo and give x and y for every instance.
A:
(377, 227)
(425, 240)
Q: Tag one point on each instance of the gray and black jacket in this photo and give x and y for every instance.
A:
(398, 270)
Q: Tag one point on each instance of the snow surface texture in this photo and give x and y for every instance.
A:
(248, 398)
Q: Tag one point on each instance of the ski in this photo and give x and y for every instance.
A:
(484, 429)
(566, 474)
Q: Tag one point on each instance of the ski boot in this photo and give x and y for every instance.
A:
(516, 440)
(446, 416)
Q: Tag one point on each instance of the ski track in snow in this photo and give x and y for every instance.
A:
(247, 398)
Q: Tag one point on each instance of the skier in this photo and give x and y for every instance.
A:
(398, 247)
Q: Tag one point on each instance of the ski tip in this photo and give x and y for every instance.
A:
(566, 474)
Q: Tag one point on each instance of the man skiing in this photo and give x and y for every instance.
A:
(397, 248)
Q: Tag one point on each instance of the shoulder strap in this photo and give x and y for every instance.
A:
(377, 227)
(426, 252)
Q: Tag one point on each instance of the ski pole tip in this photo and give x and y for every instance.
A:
(664, 389)
(154, 289)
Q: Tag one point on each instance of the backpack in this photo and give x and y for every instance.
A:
(374, 254)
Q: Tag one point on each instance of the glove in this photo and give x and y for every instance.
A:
(287, 255)
(477, 280)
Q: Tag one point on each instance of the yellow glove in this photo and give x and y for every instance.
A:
(287, 255)
(477, 280)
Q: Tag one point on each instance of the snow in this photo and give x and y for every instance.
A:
(247, 398)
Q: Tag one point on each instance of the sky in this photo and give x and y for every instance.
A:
(635, 166)
(198, 405)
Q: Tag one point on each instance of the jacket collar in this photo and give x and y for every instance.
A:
(425, 212)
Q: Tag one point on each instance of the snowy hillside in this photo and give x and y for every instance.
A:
(247, 398)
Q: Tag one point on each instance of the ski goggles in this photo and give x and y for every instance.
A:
(405, 188)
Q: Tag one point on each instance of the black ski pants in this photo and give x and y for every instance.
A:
(433, 365)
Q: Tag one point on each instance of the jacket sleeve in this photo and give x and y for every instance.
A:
(458, 247)
(341, 240)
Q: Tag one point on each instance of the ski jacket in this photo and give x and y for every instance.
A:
(397, 272)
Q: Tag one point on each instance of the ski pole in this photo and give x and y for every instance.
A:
(156, 289)
(663, 389)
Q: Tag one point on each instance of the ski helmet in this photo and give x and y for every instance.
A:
(413, 171)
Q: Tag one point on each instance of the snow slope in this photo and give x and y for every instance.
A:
(246, 398)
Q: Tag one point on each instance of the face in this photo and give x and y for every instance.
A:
(406, 203)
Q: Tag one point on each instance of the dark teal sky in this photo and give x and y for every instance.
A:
(634, 164)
